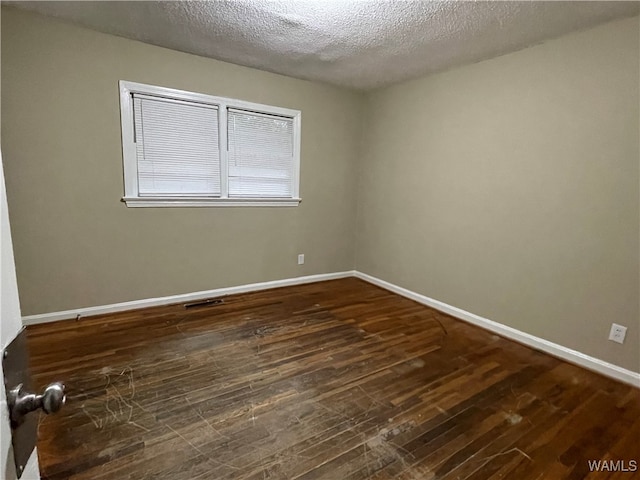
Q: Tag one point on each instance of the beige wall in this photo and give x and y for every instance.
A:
(509, 188)
(77, 245)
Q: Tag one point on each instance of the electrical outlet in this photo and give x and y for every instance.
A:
(301, 259)
(617, 333)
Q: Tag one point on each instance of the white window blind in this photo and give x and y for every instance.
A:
(177, 147)
(261, 154)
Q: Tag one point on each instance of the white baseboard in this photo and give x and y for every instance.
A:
(185, 297)
(572, 356)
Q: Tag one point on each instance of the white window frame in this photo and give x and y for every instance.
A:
(132, 197)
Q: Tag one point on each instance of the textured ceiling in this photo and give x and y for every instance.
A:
(356, 44)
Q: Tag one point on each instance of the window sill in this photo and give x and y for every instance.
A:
(138, 202)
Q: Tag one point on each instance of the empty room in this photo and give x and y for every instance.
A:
(340, 240)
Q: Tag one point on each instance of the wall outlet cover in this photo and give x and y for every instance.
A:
(617, 333)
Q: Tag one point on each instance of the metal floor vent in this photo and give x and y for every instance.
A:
(204, 303)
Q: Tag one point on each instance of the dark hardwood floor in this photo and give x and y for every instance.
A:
(337, 380)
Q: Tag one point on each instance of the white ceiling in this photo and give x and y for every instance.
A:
(358, 44)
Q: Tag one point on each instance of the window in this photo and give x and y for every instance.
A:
(190, 149)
